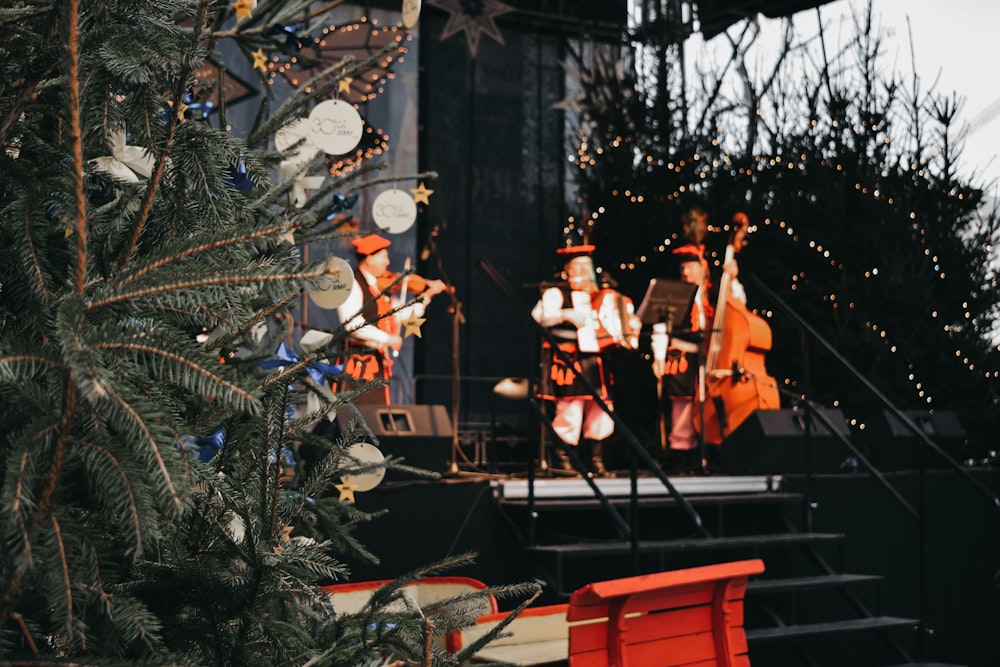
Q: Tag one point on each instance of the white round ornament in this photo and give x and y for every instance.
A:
(333, 289)
(365, 453)
(288, 135)
(394, 211)
(335, 126)
(411, 12)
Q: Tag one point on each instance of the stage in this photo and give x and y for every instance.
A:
(941, 569)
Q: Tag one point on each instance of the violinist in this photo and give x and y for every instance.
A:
(366, 315)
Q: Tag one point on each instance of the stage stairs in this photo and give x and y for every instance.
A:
(802, 611)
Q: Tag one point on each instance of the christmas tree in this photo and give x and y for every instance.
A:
(149, 266)
(860, 219)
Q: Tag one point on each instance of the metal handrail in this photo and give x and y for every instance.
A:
(889, 405)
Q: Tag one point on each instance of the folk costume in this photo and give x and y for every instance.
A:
(680, 373)
(374, 333)
(584, 321)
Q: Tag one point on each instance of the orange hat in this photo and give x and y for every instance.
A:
(570, 252)
(371, 244)
(689, 253)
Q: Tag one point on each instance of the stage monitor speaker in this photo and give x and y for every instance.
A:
(420, 434)
(773, 442)
(895, 447)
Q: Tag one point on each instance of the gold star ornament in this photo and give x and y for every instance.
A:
(244, 9)
(347, 490)
(260, 61)
(181, 109)
(421, 195)
(344, 85)
(412, 325)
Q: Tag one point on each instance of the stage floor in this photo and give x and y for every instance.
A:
(514, 488)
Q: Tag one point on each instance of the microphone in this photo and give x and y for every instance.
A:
(426, 252)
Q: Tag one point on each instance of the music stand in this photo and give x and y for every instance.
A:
(667, 301)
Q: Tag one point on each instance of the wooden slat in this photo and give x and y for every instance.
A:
(674, 579)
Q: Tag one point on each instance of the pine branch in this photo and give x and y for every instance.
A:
(182, 361)
(73, 73)
(209, 282)
(152, 447)
(205, 248)
(64, 569)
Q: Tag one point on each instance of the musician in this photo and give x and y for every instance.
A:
(587, 322)
(679, 372)
(365, 314)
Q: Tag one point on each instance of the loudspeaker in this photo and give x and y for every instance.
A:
(420, 434)
(895, 447)
(773, 442)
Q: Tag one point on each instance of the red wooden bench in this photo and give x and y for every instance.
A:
(691, 617)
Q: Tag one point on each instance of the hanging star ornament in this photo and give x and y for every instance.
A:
(260, 61)
(421, 195)
(244, 9)
(474, 18)
(346, 491)
(181, 109)
(344, 85)
(412, 326)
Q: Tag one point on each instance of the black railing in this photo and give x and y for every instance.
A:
(910, 425)
(808, 334)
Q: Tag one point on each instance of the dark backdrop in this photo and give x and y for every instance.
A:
(488, 128)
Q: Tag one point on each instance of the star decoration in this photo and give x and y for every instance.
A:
(243, 9)
(344, 85)
(181, 108)
(260, 61)
(412, 325)
(421, 195)
(572, 101)
(346, 491)
(473, 17)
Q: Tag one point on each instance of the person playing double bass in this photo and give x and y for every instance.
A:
(374, 333)
(679, 372)
(716, 378)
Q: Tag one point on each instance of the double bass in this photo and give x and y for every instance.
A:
(736, 380)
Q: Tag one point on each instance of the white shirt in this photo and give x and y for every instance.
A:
(350, 314)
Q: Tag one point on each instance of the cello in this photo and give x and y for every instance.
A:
(736, 381)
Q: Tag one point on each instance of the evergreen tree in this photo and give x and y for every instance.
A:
(860, 219)
(147, 270)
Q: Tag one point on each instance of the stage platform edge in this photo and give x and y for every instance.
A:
(513, 488)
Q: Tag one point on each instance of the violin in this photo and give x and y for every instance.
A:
(414, 284)
(410, 283)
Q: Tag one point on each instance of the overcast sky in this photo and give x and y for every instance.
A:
(954, 42)
(955, 49)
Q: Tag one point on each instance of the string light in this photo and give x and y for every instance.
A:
(874, 190)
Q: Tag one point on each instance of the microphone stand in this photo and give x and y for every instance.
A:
(457, 319)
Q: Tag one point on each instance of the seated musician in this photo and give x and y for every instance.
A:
(678, 373)
(586, 321)
(365, 313)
